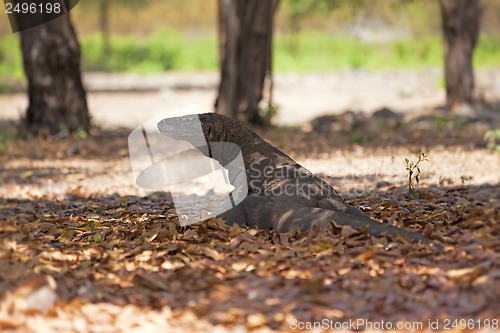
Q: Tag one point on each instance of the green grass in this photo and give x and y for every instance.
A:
(321, 51)
(307, 51)
(487, 52)
(164, 50)
(11, 62)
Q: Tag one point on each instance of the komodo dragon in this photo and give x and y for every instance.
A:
(282, 195)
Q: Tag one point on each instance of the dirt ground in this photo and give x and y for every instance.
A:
(128, 100)
(84, 250)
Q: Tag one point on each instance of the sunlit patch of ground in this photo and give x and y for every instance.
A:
(84, 250)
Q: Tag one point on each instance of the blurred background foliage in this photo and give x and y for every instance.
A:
(148, 36)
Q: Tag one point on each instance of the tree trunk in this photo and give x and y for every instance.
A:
(245, 30)
(225, 102)
(460, 23)
(51, 59)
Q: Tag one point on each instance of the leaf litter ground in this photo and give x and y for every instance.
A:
(82, 250)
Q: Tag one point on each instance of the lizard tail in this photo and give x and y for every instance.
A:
(303, 217)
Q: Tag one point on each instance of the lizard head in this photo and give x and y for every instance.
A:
(186, 128)
(211, 126)
(206, 128)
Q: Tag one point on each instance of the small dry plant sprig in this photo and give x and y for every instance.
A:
(413, 169)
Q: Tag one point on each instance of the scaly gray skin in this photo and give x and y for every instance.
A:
(282, 195)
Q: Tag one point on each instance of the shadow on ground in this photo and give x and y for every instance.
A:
(385, 128)
(129, 249)
(225, 274)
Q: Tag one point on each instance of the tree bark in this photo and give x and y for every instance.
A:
(51, 59)
(225, 102)
(460, 24)
(245, 31)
